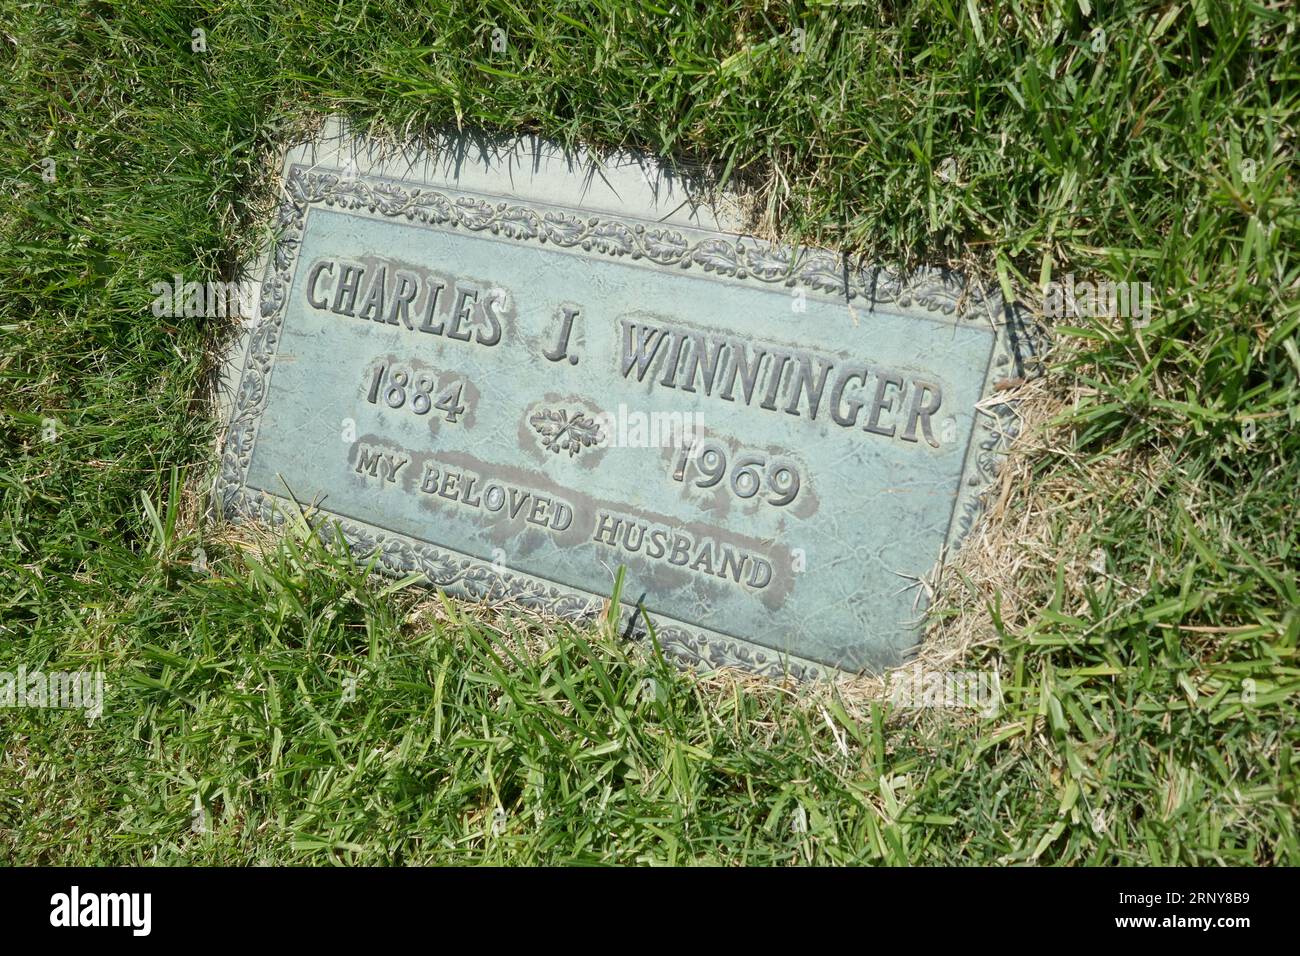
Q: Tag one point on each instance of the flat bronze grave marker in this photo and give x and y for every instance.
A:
(514, 370)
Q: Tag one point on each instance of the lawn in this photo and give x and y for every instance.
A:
(1135, 588)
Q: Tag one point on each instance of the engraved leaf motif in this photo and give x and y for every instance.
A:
(823, 272)
(389, 199)
(768, 263)
(273, 290)
(562, 432)
(434, 207)
(563, 230)
(663, 246)
(516, 222)
(286, 250)
(302, 189)
(609, 237)
(716, 255)
(930, 288)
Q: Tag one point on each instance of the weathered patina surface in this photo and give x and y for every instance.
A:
(514, 371)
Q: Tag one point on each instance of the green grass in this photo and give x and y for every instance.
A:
(1165, 154)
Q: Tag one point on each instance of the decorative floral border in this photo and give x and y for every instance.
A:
(935, 291)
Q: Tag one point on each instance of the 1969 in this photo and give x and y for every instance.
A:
(750, 473)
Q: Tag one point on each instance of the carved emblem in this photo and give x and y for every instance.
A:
(561, 431)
